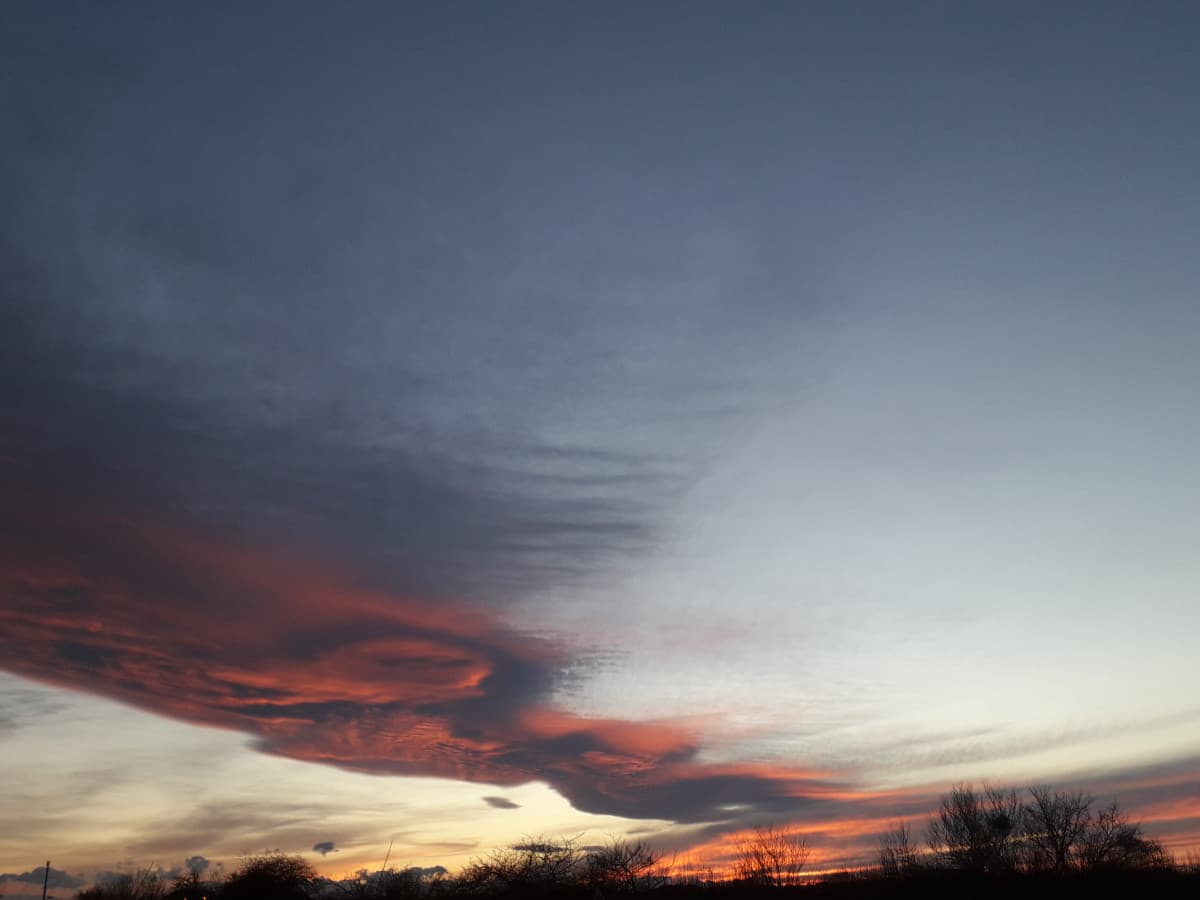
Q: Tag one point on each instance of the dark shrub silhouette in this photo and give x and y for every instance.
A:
(270, 876)
(620, 867)
(534, 867)
(142, 884)
(390, 884)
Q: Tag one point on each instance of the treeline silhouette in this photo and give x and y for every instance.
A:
(990, 842)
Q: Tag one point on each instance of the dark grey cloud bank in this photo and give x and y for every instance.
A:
(264, 282)
(465, 298)
(298, 274)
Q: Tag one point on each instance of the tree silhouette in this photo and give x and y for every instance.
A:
(977, 831)
(146, 883)
(620, 866)
(771, 856)
(270, 876)
(1112, 842)
(897, 854)
(1055, 824)
(534, 867)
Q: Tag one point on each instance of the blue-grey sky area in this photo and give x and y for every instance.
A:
(434, 423)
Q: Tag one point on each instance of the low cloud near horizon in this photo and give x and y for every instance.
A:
(57, 878)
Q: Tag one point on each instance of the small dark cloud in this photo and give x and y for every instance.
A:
(197, 865)
(324, 847)
(58, 878)
(501, 803)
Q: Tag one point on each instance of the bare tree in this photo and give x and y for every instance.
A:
(772, 856)
(1113, 842)
(146, 883)
(621, 866)
(897, 854)
(1055, 824)
(977, 831)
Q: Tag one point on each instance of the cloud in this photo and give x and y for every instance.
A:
(1164, 796)
(21, 707)
(58, 878)
(294, 652)
(324, 847)
(275, 456)
(281, 452)
(313, 363)
(501, 803)
(184, 579)
(136, 589)
(417, 520)
(197, 865)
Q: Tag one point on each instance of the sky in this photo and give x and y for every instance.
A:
(427, 425)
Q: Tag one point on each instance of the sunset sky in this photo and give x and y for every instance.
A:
(434, 424)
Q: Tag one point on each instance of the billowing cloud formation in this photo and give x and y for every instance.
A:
(273, 451)
(318, 668)
(324, 847)
(259, 528)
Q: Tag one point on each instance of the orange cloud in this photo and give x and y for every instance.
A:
(316, 666)
(654, 739)
(294, 652)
